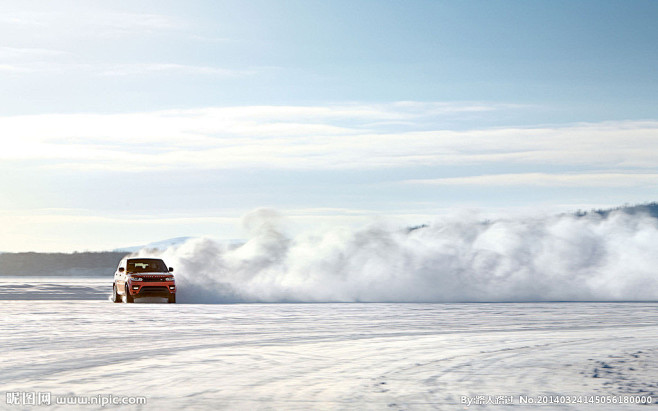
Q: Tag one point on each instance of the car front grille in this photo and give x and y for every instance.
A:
(153, 289)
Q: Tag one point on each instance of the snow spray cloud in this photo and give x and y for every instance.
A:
(457, 259)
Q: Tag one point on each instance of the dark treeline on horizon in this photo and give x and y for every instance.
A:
(648, 208)
(60, 264)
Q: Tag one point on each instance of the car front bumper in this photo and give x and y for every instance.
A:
(152, 289)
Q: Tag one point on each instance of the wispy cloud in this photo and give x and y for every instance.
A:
(170, 68)
(65, 43)
(60, 41)
(97, 23)
(27, 53)
(326, 137)
(548, 180)
(52, 67)
(123, 23)
(30, 59)
(14, 68)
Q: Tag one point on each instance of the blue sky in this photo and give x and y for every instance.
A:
(125, 122)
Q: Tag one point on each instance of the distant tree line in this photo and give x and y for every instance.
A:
(647, 208)
(60, 264)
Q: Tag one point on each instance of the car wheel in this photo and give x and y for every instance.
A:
(172, 298)
(128, 298)
(115, 296)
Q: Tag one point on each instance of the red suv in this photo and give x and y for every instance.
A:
(143, 277)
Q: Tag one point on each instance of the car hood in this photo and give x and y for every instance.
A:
(151, 275)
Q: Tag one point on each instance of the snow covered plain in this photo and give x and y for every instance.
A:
(344, 356)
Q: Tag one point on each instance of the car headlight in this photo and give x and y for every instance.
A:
(137, 278)
(169, 279)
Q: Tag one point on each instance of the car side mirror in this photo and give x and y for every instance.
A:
(171, 269)
(121, 269)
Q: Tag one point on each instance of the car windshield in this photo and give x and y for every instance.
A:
(144, 265)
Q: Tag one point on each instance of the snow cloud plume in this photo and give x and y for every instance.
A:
(455, 259)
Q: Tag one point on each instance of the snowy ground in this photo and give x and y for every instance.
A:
(322, 356)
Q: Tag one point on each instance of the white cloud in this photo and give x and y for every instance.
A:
(124, 23)
(27, 53)
(62, 42)
(60, 62)
(91, 22)
(171, 68)
(45, 65)
(548, 180)
(321, 137)
(27, 60)
(15, 68)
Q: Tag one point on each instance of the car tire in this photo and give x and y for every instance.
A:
(115, 296)
(172, 298)
(128, 298)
